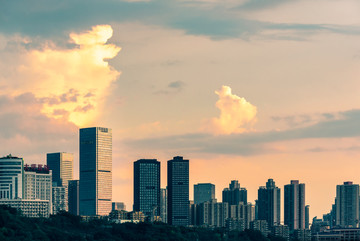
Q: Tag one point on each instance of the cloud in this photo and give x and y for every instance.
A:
(236, 114)
(253, 143)
(74, 80)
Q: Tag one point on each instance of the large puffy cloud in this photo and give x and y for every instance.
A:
(69, 83)
(236, 114)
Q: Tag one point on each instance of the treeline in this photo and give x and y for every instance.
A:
(64, 227)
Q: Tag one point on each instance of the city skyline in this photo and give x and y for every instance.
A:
(247, 90)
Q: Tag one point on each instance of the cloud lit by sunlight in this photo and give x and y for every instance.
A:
(71, 83)
(236, 114)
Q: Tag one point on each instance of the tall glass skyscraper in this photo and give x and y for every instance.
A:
(147, 187)
(347, 205)
(269, 203)
(95, 171)
(294, 205)
(178, 191)
(61, 164)
(11, 177)
(73, 197)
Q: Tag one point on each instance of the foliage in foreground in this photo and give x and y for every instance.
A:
(64, 226)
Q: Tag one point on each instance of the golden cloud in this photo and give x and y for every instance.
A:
(71, 83)
(236, 114)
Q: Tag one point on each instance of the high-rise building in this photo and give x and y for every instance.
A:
(147, 187)
(38, 183)
(234, 194)
(204, 192)
(59, 202)
(163, 204)
(294, 205)
(73, 197)
(11, 177)
(95, 171)
(61, 164)
(347, 205)
(268, 203)
(307, 217)
(178, 191)
(118, 206)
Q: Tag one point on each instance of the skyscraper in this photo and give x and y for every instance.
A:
(294, 205)
(11, 177)
(204, 192)
(347, 205)
(178, 191)
(73, 197)
(61, 164)
(234, 194)
(95, 171)
(147, 187)
(268, 203)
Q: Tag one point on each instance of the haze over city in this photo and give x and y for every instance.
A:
(246, 90)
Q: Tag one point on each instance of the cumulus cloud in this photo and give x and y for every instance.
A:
(74, 80)
(236, 114)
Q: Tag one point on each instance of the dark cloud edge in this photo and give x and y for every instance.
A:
(254, 143)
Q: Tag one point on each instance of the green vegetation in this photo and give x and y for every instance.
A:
(64, 226)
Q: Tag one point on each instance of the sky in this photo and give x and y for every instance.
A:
(246, 90)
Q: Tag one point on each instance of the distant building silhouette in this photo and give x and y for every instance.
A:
(234, 194)
(347, 205)
(204, 192)
(95, 171)
(268, 203)
(118, 206)
(294, 205)
(147, 187)
(73, 197)
(178, 191)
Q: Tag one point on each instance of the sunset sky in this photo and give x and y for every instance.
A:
(245, 89)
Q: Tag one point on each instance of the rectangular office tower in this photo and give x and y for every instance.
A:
(269, 203)
(294, 205)
(95, 171)
(178, 191)
(347, 205)
(73, 197)
(204, 192)
(147, 187)
(61, 164)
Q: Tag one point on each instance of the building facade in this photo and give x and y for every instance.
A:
(59, 202)
(61, 164)
(268, 203)
(178, 191)
(118, 206)
(147, 187)
(11, 177)
(163, 204)
(347, 205)
(38, 183)
(95, 171)
(294, 205)
(29, 208)
(234, 194)
(73, 197)
(204, 192)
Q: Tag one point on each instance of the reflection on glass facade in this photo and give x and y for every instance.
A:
(147, 187)
(178, 191)
(95, 171)
(11, 177)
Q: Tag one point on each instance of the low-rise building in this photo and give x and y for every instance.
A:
(29, 208)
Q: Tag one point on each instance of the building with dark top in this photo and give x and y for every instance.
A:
(347, 205)
(95, 171)
(147, 187)
(234, 194)
(204, 192)
(73, 197)
(294, 205)
(61, 164)
(268, 203)
(178, 191)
